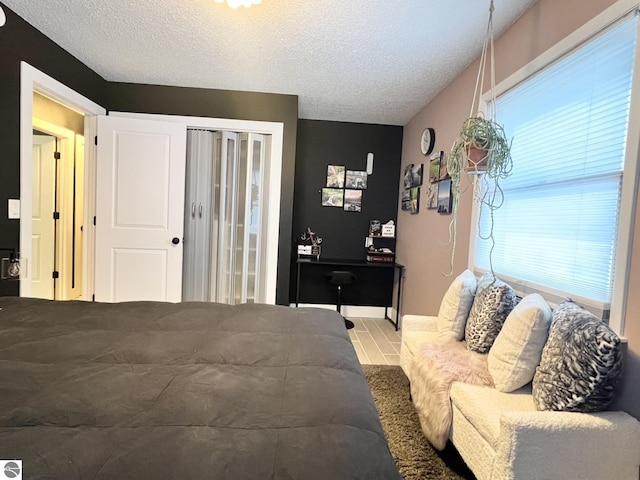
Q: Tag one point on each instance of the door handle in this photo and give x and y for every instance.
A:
(193, 210)
(175, 240)
(200, 212)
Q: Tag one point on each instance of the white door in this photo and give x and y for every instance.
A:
(140, 175)
(43, 229)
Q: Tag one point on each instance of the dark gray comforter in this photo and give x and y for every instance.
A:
(149, 390)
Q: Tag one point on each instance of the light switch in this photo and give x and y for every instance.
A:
(14, 208)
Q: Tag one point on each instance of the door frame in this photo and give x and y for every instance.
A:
(66, 146)
(33, 80)
(273, 177)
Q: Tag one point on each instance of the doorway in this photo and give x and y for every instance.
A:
(82, 232)
(57, 201)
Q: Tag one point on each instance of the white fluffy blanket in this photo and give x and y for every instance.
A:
(434, 367)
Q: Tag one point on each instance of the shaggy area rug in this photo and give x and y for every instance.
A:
(415, 457)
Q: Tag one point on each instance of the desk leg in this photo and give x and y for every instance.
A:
(399, 299)
(298, 284)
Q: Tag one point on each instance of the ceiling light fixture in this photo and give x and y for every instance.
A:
(239, 3)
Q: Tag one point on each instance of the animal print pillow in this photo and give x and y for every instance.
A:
(581, 362)
(493, 303)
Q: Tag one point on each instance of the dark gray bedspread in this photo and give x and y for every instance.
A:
(149, 390)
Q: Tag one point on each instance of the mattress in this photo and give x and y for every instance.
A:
(150, 390)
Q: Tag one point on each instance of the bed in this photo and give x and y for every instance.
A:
(149, 390)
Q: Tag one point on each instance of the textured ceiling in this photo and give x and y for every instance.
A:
(370, 61)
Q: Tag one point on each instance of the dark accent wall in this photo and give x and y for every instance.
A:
(19, 41)
(322, 143)
(200, 102)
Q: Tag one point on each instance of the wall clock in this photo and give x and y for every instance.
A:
(427, 141)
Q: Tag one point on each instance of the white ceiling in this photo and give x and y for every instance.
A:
(370, 61)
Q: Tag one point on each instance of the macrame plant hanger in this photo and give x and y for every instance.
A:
(482, 148)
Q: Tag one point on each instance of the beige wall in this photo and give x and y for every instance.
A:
(52, 112)
(422, 238)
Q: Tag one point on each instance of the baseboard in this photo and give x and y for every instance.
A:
(353, 310)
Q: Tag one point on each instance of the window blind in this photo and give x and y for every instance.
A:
(557, 226)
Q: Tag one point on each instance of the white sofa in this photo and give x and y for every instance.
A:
(503, 436)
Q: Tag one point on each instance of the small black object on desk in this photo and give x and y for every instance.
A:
(373, 288)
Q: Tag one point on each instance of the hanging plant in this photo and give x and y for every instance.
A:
(481, 149)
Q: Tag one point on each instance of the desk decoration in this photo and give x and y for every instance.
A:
(353, 200)
(380, 255)
(389, 229)
(309, 244)
(375, 228)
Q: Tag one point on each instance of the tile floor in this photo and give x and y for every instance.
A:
(376, 341)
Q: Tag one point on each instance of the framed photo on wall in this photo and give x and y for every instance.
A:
(414, 203)
(432, 195)
(407, 175)
(332, 197)
(444, 173)
(434, 166)
(413, 175)
(353, 200)
(356, 180)
(444, 196)
(335, 176)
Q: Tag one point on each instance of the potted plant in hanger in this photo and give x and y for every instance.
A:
(481, 149)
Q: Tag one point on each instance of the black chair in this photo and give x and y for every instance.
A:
(339, 278)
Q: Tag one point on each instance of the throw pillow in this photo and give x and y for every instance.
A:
(455, 306)
(494, 301)
(581, 362)
(517, 350)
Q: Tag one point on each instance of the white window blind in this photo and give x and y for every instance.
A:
(557, 227)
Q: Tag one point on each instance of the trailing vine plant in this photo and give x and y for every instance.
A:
(485, 135)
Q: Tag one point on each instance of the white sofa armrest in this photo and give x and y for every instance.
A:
(567, 445)
(419, 323)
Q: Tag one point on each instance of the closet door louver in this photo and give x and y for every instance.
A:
(223, 259)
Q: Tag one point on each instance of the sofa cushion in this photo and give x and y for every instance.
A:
(494, 301)
(483, 406)
(517, 350)
(581, 362)
(455, 306)
(413, 340)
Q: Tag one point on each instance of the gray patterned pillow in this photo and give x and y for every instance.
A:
(581, 363)
(493, 303)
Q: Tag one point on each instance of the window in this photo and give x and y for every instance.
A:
(557, 230)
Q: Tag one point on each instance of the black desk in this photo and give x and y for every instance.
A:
(374, 286)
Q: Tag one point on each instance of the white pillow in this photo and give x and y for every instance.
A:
(517, 350)
(455, 306)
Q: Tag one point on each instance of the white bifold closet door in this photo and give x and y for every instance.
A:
(224, 232)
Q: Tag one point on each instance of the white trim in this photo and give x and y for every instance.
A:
(276, 130)
(33, 80)
(348, 310)
(574, 40)
(628, 202)
(565, 46)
